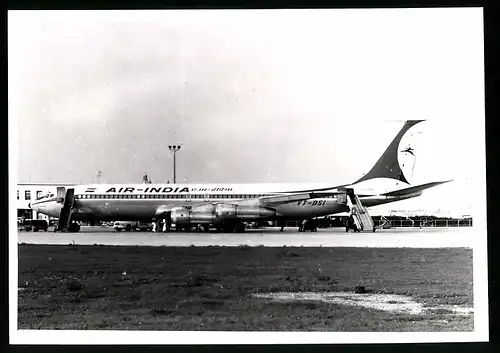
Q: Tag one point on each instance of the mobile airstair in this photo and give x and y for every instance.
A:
(359, 213)
(67, 198)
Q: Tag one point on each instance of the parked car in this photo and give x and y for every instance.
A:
(34, 225)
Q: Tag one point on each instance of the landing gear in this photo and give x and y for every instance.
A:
(74, 228)
(231, 227)
(223, 227)
(239, 227)
(281, 224)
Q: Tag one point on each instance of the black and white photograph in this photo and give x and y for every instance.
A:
(247, 176)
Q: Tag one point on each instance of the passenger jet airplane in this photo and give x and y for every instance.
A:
(227, 206)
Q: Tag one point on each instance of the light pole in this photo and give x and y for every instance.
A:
(174, 150)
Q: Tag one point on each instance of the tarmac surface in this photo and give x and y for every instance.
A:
(333, 237)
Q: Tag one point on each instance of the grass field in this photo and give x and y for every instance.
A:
(211, 288)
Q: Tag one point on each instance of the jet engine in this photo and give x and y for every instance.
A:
(210, 214)
(182, 215)
(224, 211)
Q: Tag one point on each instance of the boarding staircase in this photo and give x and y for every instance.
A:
(359, 213)
(67, 198)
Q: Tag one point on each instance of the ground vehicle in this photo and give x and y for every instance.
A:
(33, 225)
(131, 225)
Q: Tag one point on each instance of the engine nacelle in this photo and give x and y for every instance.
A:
(162, 212)
(182, 215)
(224, 211)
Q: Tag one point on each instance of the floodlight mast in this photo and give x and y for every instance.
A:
(174, 149)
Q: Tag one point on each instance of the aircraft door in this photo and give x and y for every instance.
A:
(61, 194)
(342, 198)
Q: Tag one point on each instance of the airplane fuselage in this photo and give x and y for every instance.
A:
(144, 201)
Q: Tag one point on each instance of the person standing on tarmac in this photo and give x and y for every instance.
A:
(303, 226)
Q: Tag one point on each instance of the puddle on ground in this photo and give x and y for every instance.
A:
(455, 309)
(386, 302)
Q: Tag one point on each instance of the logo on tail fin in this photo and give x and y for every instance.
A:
(413, 158)
(388, 165)
(408, 150)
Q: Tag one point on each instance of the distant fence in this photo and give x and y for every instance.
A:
(394, 222)
(425, 222)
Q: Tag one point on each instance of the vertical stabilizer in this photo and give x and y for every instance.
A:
(388, 165)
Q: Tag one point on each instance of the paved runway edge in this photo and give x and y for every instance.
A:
(394, 238)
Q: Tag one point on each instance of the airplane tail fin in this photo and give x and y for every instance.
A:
(388, 164)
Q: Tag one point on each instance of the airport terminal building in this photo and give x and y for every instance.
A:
(28, 192)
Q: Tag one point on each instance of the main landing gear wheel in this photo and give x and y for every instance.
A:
(228, 228)
(74, 228)
(239, 228)
(231, 227)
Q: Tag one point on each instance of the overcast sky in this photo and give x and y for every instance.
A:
(251, 96)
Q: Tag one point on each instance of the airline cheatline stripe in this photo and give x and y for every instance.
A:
(186, 189)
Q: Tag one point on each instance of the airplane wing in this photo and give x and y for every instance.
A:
(265, 201)
(414, 189)
(280, 199)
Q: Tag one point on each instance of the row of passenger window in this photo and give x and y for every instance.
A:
(167, 196)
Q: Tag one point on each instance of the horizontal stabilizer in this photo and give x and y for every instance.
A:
(414, 189)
